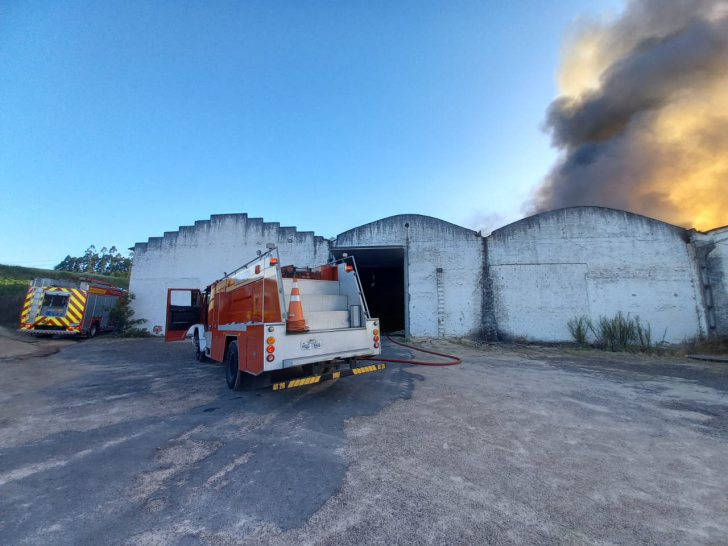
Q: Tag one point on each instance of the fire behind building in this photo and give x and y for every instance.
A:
(427, 277)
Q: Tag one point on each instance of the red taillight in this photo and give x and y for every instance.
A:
(270, 358)
(376, 338)
(257, 269)
(271, 348)
(273, 261)
(376, 345)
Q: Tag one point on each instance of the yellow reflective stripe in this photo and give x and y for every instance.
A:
(76, 305)
(73, 309)
(79, 295)
(317, 378)
(371, 368)
(25, 313)
(297, 382)
(53, 321)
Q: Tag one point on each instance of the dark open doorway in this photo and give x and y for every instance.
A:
(381, 271)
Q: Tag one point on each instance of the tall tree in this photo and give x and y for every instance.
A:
(108, 261)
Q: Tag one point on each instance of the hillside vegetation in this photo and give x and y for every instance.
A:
(14, 281)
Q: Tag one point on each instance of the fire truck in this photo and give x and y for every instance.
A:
(241, 320)
(61, 307)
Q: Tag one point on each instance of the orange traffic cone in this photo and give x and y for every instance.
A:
(296, 322)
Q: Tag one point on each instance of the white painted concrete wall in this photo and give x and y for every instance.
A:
(557, 265)
(711, 249)
(196, 255)
(431, 243)
(541, 272)
(718, 275)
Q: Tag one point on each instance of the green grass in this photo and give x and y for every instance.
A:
(13, 285)
(704, 346)
(14, 281)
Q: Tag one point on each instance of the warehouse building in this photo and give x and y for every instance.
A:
(428, 277)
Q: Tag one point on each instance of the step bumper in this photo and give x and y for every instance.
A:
(338, 355)
(48, 332)
(313, 379)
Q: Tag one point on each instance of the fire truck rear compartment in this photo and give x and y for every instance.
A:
(325, 307)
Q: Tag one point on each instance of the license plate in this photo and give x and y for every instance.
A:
(313, 344)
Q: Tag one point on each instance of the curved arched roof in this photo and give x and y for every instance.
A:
(534, 220)
(400, 219)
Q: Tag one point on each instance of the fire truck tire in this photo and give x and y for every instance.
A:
(232, 368)
(93, 330)
(199, 355)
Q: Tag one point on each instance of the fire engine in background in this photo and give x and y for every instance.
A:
(63, 307)
(241, 320)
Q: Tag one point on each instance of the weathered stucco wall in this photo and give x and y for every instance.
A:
(431, 244)
(526, 279)
(593, 261)
(718, 277)
(196, 255)
(711, 250)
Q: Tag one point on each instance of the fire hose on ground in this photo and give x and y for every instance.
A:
(419, 362)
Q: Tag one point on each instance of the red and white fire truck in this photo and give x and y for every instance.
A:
(54, 306)
(241, 320)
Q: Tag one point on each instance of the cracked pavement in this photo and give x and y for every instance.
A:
(134, 442)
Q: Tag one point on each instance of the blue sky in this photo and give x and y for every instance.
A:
(122, 120)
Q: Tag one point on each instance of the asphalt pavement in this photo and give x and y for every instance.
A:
(142, 436)
(134, 442)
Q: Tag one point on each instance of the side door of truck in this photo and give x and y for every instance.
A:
(184, 309)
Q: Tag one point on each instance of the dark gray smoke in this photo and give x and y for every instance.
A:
(652, 135)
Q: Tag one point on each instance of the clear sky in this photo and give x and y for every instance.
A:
(122, 120)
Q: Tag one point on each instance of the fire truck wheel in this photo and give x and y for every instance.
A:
(93, 330)
(233, 374)
(199, 355)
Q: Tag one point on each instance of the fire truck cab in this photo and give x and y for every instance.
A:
(242, 320)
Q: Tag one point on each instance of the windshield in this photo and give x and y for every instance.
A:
(55, 300)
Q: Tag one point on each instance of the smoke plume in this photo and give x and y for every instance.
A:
(642, 119)
(486, 222)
